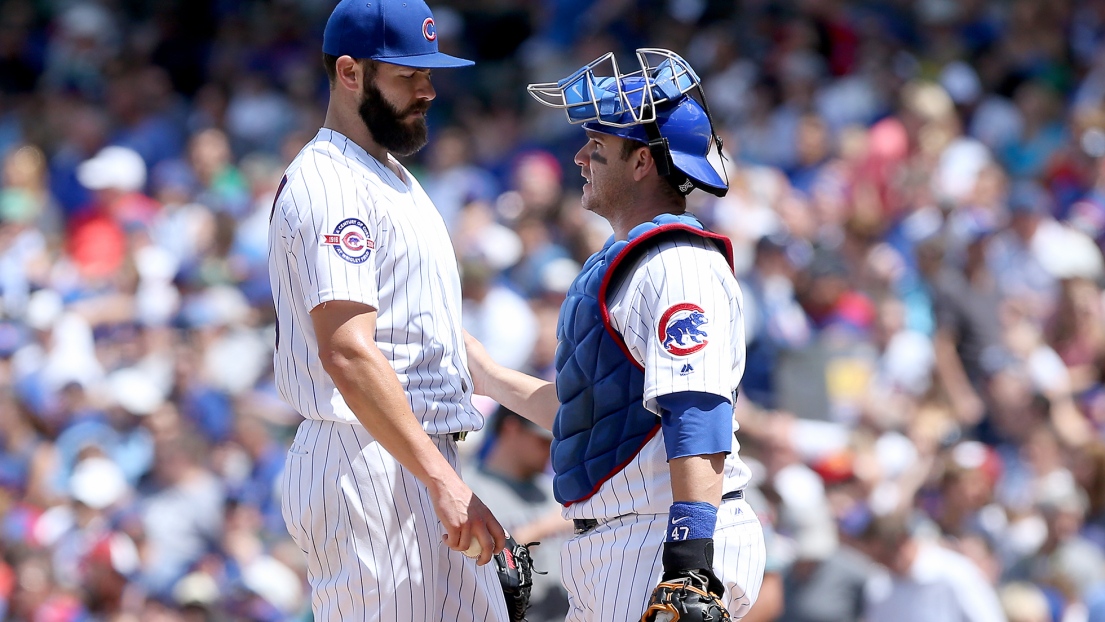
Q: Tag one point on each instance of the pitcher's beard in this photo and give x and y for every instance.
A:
(388, 125)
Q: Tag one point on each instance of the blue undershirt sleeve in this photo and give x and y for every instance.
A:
(696, 424)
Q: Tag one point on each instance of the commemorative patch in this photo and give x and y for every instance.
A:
(350, 240)
(680, 330)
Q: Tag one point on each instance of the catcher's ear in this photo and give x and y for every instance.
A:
(641, 162)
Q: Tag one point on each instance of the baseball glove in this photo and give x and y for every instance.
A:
(685, 599)
(515, 568)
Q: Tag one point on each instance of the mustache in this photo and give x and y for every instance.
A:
(419, 107)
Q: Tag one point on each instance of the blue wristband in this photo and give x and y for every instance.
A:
(691, 520)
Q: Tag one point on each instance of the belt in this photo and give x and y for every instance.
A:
(458, 436)
(583, 525)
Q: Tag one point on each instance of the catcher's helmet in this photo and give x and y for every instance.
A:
(654, 105)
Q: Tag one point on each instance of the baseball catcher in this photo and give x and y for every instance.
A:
(650, 353)
(515, 568)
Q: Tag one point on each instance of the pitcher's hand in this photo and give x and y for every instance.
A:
(465, 519)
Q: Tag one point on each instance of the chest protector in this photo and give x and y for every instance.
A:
(602, 422)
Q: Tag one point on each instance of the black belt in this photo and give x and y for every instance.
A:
(458, 436)
(583, 525)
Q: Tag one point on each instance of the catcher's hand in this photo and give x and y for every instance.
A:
(515, 568)
(685, 599)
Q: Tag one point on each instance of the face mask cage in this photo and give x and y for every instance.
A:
(599, 92)
(592, 94)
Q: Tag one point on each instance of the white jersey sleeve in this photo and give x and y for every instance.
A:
(679, 311)
(329, 229)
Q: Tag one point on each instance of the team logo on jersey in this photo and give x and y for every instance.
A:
(429, 30)
(350, 240)
(680, 331)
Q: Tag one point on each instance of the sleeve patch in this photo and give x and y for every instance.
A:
(350, 240)
(681, 330)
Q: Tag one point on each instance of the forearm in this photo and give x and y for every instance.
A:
(366, 380)
(1072, 427)
(950, 368)
(370, 387)
(696, 483)
(697, 478)
(533, 398)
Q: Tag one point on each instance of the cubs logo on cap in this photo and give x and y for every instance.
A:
(429, 30)
(350, 240)
(680, 330)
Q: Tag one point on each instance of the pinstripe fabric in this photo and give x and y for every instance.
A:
(372, 540)
(410, 277)
(610, 571)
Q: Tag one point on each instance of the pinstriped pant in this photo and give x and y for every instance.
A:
(372, 539)
(610, 571)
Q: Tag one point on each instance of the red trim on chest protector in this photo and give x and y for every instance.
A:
(604, 310)
(644, 237)
(617, 469)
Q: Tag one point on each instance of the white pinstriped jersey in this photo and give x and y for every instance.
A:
(679, 276)
(346, 227)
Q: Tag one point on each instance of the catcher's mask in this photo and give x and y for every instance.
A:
(661, 105)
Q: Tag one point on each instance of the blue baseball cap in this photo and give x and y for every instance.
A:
(399, 32)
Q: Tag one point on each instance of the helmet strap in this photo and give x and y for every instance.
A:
(661, 154)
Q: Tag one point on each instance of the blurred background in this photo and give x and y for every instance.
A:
(917, 205)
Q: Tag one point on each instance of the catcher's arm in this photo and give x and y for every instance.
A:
(689, 545)
(533, 398)
(696, 442)
(689, 591)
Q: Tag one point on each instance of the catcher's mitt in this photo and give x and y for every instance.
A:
(515, 568)
(684, 599)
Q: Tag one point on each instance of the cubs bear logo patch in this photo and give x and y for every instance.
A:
(350, 240)
(680, 330)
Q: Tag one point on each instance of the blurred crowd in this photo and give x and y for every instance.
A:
(917, 204)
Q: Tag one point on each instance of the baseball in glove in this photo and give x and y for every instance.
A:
(685, 599)
(515, 568)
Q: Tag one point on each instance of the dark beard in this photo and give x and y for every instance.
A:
(387, 125)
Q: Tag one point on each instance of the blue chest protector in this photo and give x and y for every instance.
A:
(602, 422)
